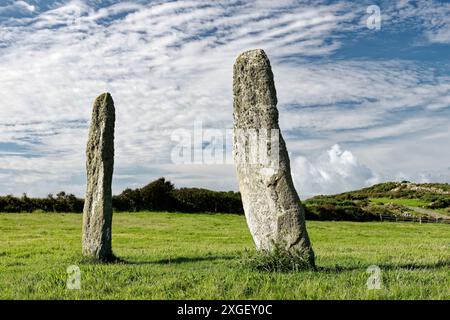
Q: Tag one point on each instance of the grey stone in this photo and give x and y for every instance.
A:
(272, 207)
(97, 213)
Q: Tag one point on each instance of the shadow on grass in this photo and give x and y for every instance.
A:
(330, 269)
(112, 259)
(388, 266)
(175, 260)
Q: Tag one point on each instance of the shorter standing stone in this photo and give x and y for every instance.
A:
(97, 212)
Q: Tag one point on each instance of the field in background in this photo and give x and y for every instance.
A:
(197, 256)
(401, 201)
(416, 205)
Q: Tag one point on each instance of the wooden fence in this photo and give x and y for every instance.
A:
(414, 219)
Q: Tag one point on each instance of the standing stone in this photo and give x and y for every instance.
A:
(272, 207)
(97, 213)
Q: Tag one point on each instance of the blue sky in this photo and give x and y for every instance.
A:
(357, 105)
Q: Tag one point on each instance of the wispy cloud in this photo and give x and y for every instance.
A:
(168, 64)
(431, 18)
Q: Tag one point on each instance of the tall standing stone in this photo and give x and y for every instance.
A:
(272, 207)
(97, 213)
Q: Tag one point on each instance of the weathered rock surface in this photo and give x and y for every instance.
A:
(272, 207)
(97, 213)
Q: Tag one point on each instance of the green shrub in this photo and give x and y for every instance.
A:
(349, 211)
(161, 195)
(61, 203)
(439, 203)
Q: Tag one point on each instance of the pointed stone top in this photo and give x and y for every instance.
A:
(104, 96)
(255, 96)
(103, 99)
(253, 52)
(254, 62)
(252, 55)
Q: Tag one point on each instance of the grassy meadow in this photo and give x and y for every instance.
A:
(401, 201)
(199, 256)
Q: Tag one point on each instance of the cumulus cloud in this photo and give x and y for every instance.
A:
(334, 171)
(337, 170)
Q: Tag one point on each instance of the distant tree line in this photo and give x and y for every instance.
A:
(159, 195)
(61, 203)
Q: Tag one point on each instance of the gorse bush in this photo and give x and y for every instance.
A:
(159, 195)
(439, 203)
(353, 211)
(61, 203)
(203, 200)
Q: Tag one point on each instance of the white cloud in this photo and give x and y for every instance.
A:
(167, 64)
(432, 18)
(355, 94)
(16, 6)
(334, 171)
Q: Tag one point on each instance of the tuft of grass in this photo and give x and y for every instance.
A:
(277, 259)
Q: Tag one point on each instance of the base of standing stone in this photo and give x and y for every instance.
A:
(112, 258)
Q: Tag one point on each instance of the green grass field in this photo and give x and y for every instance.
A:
(401, 201)
(198, 256)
